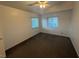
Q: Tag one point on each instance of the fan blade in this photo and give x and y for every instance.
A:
(40, 2)
(33, 4)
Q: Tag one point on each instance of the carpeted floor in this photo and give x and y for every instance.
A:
(43, 45)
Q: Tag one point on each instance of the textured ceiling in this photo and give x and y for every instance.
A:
(23, 5)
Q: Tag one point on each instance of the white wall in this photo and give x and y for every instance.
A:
(64, 18)
(16, 25)
(74, 28)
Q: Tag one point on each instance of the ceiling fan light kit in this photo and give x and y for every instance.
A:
(42, 4)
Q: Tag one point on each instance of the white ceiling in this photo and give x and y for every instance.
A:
(54, 6)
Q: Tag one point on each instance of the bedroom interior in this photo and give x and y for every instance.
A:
(39, 29)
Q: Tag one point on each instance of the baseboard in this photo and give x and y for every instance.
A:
(55, 34)
(20, 43)
(74, 47)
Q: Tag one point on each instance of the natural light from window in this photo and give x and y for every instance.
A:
(35, 22)
(50, 22)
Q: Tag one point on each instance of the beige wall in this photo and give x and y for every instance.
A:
(64, 18)
(66, 5)
(2, 50)
(0, 22)
(74, 28)
(16, 25)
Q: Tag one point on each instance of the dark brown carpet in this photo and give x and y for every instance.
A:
(43, 45)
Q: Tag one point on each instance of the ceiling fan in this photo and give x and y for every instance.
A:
(41, 4)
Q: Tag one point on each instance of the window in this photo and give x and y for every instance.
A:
(35, 23)
(52, 22)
